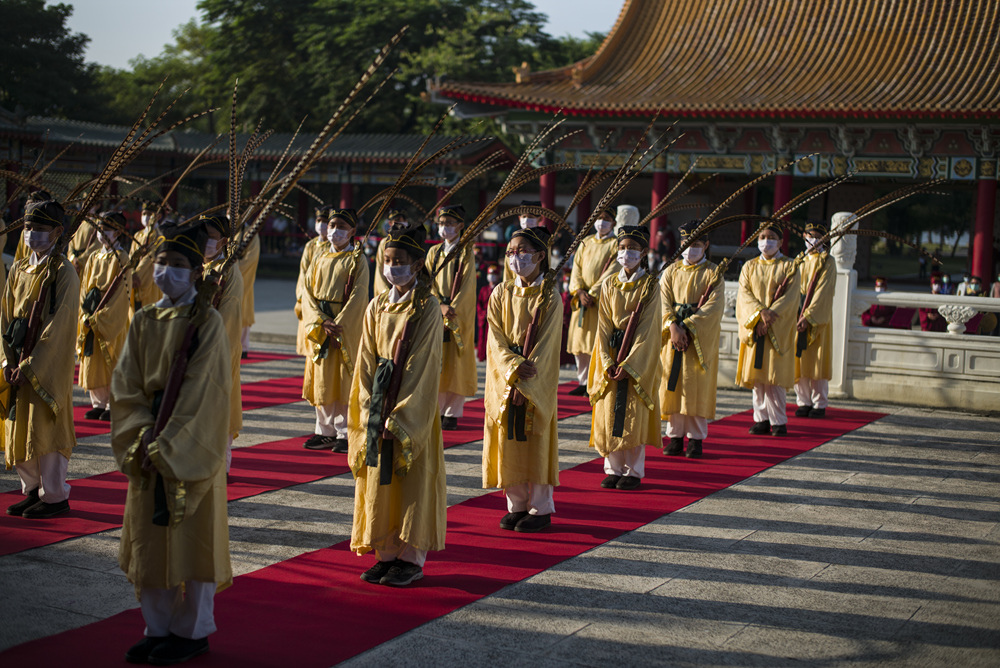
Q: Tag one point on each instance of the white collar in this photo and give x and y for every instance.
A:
(639, 273)
(395, 297)
(538, 281)
(35, 259)
(185, 299)
(703, 259)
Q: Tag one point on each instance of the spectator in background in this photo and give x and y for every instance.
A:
(962, 289)
(946, 286)
(878, 315)
(482, 304)
(930, 319)
(922, 259)
(666, 242)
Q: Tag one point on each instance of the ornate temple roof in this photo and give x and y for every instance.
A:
(933, 59)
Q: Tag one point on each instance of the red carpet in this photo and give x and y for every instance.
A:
(256, 357)
(313, 610)
(98, 501)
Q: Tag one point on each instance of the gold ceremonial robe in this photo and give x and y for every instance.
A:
(506, 461)
(595, 262)
(44, 416)
(759, 280)
(313, 248)
(817, 359)
(329, 370)
(696, 386)
(381, 284)
(642, 404)
(458, 357)
(109, 325)
(146, 293)
(189, 454)
(83, 243)
(248, 268)
(411, 509)
(230, 307)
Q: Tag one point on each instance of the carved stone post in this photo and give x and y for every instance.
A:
(844, 253)
(957, 316)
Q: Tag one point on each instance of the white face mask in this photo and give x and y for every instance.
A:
(37, 240)
(108, 238)
(147, 219)
(398, 276)
(812, 243)
(337, 236)
(172, 281)
(629, 258)
(448, 232)
(493, 278)
(693, 254)
(528, 222)
(603, 226)
(211, 248)
(768, 247)
(522, 265)
(321, 229)
(879, 288)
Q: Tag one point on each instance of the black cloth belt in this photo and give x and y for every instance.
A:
(621, 391)
(517, 415)
(89, 304)
(380, 385)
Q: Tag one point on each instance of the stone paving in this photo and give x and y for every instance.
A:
(880, 547)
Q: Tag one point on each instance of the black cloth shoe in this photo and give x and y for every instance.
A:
(340, 445)
(779, 430)
(629, 482)
(817, 413)
(375, 574)
(402, 573)
(319, 442)
(759, 428)
(803, 411)
(449, 423)
(30, 500)
(139, 652)
(610, 481)
(106, 416)
(693, 449)
(94, 413)
(43, 511)
(578, 391)
(533, 523)
(510, 520)
(675, 447)
(177, 650)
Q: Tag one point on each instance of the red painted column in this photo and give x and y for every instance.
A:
(782, 195)
(346, 196)
(982, 236)
(547, 184)
(661, 185)
(585, 207)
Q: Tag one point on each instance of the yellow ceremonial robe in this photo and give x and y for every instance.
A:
(313, 248)
(146, 293)
(83, 244)
(3, 267)
(44, 417)
(642, 407)
(508, 462)
(189, 454)
(696, 387)
(759, 280)
(458, 357)
(594, 262)
(817, 359)
(381, 284)
(411, 509)
(230, 307)
(329, 370)
(248, 268)
(109, 325)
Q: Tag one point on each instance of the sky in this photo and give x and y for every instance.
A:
(120, 30)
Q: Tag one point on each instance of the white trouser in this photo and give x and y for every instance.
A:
(100, 397)
(245, 339)
(536, 499)
(812, 392)
(408, 553)
(692, 426)
(769, 404)
(331, 420)
(229, 455)
(627, 463)
(451, 404)
(47, 474)
(188, 615)
(582, 368)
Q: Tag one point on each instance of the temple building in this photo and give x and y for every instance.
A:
(895, 91)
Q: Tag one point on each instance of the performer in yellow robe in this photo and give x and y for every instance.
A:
(84, 242)
(248, 268)
(395, 219)
(813, 342)
(37, 393)
(400, 495)
(101, 331)
(766, 362)
(335, 294)
(691, 341)
(313, 249)
(229, 304)
(525, 221)
(175, 537)
(458, 307)
(593, 264)
(520, 443)
(625, 395)
(144, 290)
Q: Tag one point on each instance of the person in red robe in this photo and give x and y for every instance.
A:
(482, 303)
(930, 319)
(878, 315)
